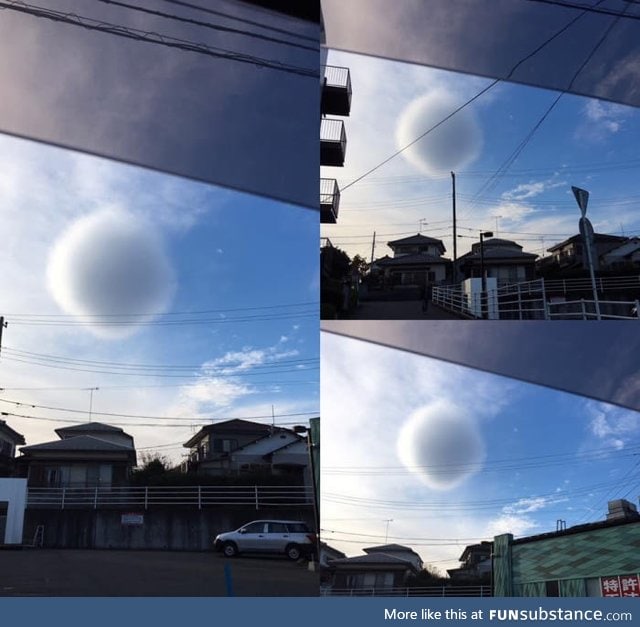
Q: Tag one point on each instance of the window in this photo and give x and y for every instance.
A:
(224, 446)
(276, 527)
(298, 527)
(552, 589)
(256, 527)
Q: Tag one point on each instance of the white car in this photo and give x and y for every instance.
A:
(292, 538)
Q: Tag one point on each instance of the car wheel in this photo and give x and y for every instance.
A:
(293, 552)
(229, 549)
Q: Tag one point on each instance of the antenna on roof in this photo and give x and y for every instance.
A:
(273, 419)
(91, 391)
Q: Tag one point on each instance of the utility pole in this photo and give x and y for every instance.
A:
(3, 325)
(373, 246)
(455, 238)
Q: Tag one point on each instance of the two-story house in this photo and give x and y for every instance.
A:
(238, 446)
(502, 259)
(86, 455)
(417, 260)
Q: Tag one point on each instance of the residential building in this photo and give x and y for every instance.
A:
(93, 454)
(417, 260)
(335, 100)
(476, 562)
(502, 259)
(9, 439)
(623, 258)
(570, 255)
(594, 559)
(236, 447)
(381, 569)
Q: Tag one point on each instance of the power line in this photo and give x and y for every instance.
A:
(591, 9)
(198, 422)
(217, 27)
(147, 417)
(200, 376)
(168, 313)
(223, 366)
(196, 7)
(468, 102)
(154, 38)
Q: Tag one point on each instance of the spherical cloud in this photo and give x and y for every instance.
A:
(441, 444)
(454, 144)
(111, 262)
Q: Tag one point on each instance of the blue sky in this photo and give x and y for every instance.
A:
(582, 142)
(453, 456)
(89, 240)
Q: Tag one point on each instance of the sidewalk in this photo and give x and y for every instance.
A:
(400, 310)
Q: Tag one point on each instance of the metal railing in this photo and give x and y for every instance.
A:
(335, 76)
(436, 591)
(183, 496)
(332, 130)
(533, 300)
(329, 192)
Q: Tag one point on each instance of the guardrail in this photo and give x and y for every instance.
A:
(533, 300)
(179, 496)
(437, 591)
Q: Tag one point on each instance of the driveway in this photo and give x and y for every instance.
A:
(58, 572)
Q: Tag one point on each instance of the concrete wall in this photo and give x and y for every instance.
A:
(169, 528)
(14, 493)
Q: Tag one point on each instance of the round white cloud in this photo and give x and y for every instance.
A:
(453, 145)
(111, 262)
(441, 444)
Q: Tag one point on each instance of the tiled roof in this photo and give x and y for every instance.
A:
(78, 443)
(415, 239)
(230, 426)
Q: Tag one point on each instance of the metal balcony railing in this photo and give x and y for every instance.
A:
(329, 201)
(333, 142)
(151, 496)
(336, 91)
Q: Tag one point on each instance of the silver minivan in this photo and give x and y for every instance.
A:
(292, 538)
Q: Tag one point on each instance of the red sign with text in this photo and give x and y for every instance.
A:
(623, 586)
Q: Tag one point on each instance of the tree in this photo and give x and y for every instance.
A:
(360, 264)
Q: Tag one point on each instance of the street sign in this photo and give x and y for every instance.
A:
(586, 230)
(582, 198)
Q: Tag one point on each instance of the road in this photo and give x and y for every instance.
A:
(400, 310)
(53, 572)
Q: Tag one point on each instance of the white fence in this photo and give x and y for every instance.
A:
(180, 496)
(437, 591)
(542, 300)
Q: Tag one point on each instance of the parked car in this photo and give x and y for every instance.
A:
(292, 538)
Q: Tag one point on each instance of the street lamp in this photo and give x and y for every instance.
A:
(482, 274)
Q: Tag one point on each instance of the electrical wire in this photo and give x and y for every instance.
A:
(216, 27)
(154, 38)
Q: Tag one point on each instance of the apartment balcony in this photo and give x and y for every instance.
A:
(333, 142)
(336, 91)
(329, 201)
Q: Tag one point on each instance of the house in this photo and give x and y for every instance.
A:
(241, 446)
(476, 562)
(86, 455)
(625, 257)
(9, 439)
(382, 569)
(570, 255)
(416, 260)
(503, 260)
(597, 559)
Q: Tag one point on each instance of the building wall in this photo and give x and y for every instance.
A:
(167, 528)
(13, 497)
(573, 560)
